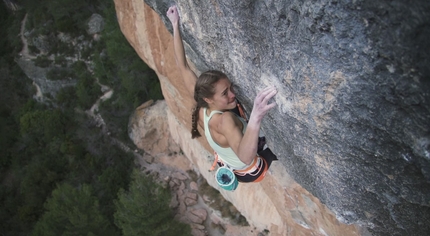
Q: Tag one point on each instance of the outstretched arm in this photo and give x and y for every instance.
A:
(181, 61)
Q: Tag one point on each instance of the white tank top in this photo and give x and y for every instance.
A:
(227, 155)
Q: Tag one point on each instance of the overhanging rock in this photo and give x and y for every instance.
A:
(352, 121)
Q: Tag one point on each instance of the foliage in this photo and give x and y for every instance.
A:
(13, 93)
(121, 68)
(66, 49)
(66, 15)
(43, 125)
(60, 60)
(58, 149)
(58, 169)
(87, 89)
(66, 97)
(143, 210)
(10, 31)
(4, 18)
(86, 52)
(72, 211)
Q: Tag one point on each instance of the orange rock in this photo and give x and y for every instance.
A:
(278, 203)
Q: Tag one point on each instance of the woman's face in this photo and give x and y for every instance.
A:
(224, 98)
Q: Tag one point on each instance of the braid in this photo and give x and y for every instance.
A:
(194, 118)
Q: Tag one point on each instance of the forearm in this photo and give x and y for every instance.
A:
(181, 60)
(187, 74)
(249, 144)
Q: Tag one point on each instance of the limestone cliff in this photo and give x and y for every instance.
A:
(351, 127)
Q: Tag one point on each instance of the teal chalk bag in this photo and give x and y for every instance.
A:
(226, 179)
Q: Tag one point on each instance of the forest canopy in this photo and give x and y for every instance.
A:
(61, 174)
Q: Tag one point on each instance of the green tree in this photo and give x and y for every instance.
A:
(144, 209)
(43, 125)
(66, 97)
(36, 184)
(87, 90)
(72, 211)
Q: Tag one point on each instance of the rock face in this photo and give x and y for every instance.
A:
(351, 127)
(149, 132)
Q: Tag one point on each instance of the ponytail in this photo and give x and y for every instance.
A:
(194, 119)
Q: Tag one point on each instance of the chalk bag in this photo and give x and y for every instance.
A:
(226, 179)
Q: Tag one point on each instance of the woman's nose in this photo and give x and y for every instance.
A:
(232, 95)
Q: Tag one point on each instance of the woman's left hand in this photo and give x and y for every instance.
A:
(261, 102)
(173, 14)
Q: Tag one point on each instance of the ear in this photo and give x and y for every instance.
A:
(208, 100)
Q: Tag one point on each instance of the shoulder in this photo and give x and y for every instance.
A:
(227, 121)
(228, 116)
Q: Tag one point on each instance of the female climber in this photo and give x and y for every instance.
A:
(234, 141)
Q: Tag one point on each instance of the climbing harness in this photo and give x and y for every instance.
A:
(254, 173)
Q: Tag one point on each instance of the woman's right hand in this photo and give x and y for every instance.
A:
(246, 146)
(261, 103)
(173, 14)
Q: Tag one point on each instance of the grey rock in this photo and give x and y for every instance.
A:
(176, 182)
(193, 196)
(198, 232)
(194, 186)
(180, 194)
(28, 34)
(65, 38)
(180, 176)
(197, 226)
(351, 123)
(174, 202)
(193, 218)
(172, 184)
(201, 213)
(191, 199)
(43, 43)
(182, 186)
(190, 202)
(299, 219)
(95, 24)
(182, 209)
(38, 75)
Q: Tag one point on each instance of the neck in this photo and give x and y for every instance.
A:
(210, 109)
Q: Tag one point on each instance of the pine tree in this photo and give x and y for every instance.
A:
(72, 211)
(144, 210)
